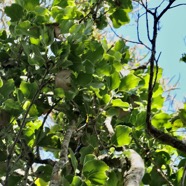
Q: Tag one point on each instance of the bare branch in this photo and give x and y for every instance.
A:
(126, 40)
(181, 4)
(137, 169)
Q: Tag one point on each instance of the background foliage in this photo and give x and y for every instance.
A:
(103, 103)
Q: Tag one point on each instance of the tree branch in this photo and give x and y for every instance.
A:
(59, 165)
(135, 174)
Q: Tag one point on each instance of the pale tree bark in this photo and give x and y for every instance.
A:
(59, 165)
(136, 172)
(134, 175)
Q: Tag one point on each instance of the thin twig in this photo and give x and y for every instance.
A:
(181, 4)
(10, 153)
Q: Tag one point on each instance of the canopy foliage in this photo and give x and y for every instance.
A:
(75, 105)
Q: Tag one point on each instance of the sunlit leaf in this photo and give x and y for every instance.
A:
(95, 171)
(77, 181)
(120, 103)
(122, 135)
(40, 182)
(1, 82)
(28, 89)
(160, 120)
(129, 82)
(119, 18)
(115, 81)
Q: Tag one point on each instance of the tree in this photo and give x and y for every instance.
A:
(108, 126)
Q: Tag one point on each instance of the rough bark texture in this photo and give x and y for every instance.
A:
(135, 174)
(59, 165)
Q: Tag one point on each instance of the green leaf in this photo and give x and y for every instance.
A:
(28, 89)
(14, 180)
(46, 172)
(178, 124)
(73, 159)
(33, 110)
(120, 103)
(122, 135)
(2, 168)
(47, 34)
(161, 120)
(1, 82)
(77, 181)
(157, 102)
(113, 180)
(31, 4)
(84, 79)
(182, 115)
(41, 182)
(103, 68)
(15, 12)
(88, 157)
(129, 82)
(115, 81)
(23, 27)
(12, 106)
(59, 92)
(7, 88)
(95, 171)
(84, 151)
(119, 18)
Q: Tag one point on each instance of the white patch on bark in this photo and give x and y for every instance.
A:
(136, 172)
(59, 165)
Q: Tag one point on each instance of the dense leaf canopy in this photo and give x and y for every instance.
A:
(75, 107)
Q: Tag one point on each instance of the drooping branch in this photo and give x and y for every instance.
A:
(136, 172)
(59, 165)
(159, 135)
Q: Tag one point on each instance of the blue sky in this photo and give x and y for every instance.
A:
(171, 42)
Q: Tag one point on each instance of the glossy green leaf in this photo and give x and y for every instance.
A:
(161, 120)
(122, 135)
(177, 124)
(103, 68)
(88, 157)
(115, 81)
(120, 103)
(1, 82)
(95, 171)
(157, 102)
(182, 115)
(77, 181)
(33, 109)
(119, 18)
(41, 182)
(129, 82)
(28, 89)
(15, 12)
